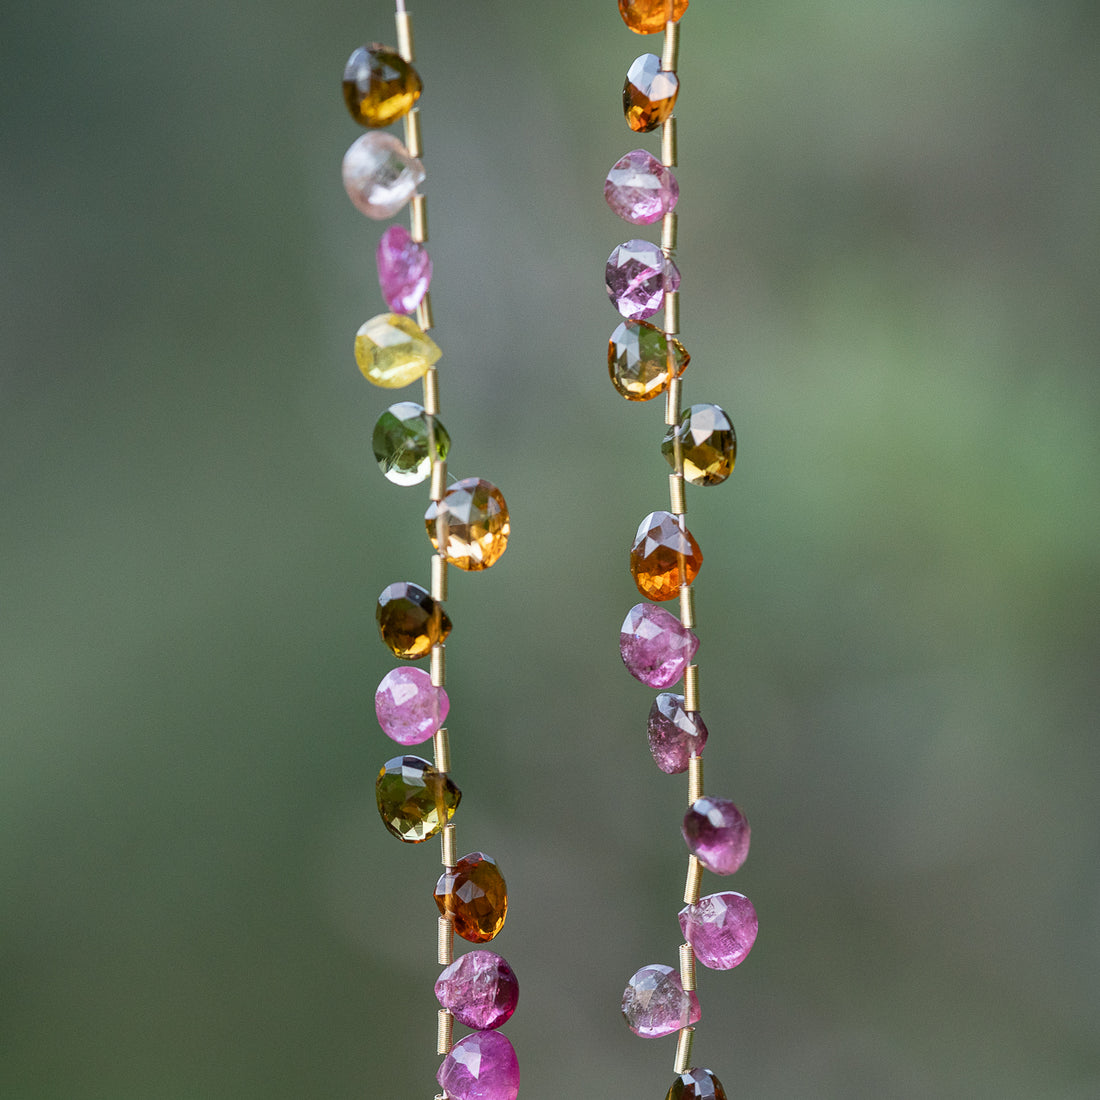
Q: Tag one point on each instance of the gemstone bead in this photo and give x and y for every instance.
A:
(721, 929)
(637, 276)
(474, 897)
(474, 521)
(380, 86)
(481, 1066)
(410, 621)
(696, 1084)
(401, 443)
(479, 989)
(639, 360)
(404, 269)
(414, 799)
(675, 734)
(717, 834)
(393, 351)
(650, 16)
(380, 174)
(664, 556)
(655, 647)
(640, 189)
(655, 1002)
(707, 442)
(649, 94)
(409, 706)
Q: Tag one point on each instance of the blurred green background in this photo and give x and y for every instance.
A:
(889, 245)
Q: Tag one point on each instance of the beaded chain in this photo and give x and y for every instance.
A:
(658, 648)
(467, 523)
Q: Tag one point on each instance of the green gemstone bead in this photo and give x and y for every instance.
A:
(402, 446)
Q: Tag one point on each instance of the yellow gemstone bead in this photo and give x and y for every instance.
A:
(392, 350)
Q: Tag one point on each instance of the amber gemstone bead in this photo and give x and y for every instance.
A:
(650, 16)
(664, 556)
(642, 360)
(696, 1084)
(707, 443)
(473, 521)
(649, 94)
(473, 895)
(415, 800)
(380, 86)
(410, 621)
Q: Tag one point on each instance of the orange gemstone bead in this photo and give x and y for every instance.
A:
(650, 16)
(473, 519)
(664, 556)
(474, 897)
(649, 94)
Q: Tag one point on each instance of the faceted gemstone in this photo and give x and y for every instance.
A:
(696, 1084)
(640, 189)
(409, 706)
(638, 274)
(481, 1066)
(717, 834)
(649, 94)
(655, 647)
(472, 519)
(479, 989)
(655, 1002)
(664, 556)
(380, 86)
(707, 443)
(393, 351)
(650, 16)
(474, 897)
(642, 360)
(721, 929)
(414, 799)
(404, 269)
(410, 621)
(675, 734)
(402, 443)
(380, 175)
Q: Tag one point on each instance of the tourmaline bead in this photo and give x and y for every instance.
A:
(650, 16)
(649, 94)
(380, 174)
(696, 1084)
(409, 706)
(401, 443)
(707, 442)
(655, 1002)
(675, 734)
(640, 189)
(638, 274)
(639, 360)
(664, 556)
(721, 929)
(474, 897)
(415, 800)
(479, 989)
(392, 350)
(481, 1066)
(404, 269)
(380, 86)
(655, 647)
(410, 621)
(717, 834)
(475, 524)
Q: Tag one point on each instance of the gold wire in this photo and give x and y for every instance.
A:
(672, 400)
(441, 743)
(670, 55)
(669, 232)
(439, 665)
(431, 392)
(694, 881)
(404, 34)
(424, 317)
(668, 143)
(687, 606)
(439, 577)
(439, 480)
(683, 1050)
(695, 779)
(677, 501)
(687, 966)
(691, 688)
(413, 139)
(448, 846)
(418, 219)
(445, 1033)
(446, 942)
(672, 312)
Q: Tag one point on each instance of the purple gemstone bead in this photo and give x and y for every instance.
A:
(721, 929)
(481, 1066)
(655, 1002)
(655, 647)
(479, 989)
(409, 707)
(638, 274)
(404, 269)
(717, 834)
(640, 189)
(675, 735)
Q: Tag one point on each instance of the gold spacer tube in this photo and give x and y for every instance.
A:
(672, 312)
(413, 138)
(439, 577)
(670, 55)
(695, 779)
(687, 966)
(683, 1050)
(691, 688)
(687, 606)
(431, 392)
(439, 665)
(439, 480)
(678, 503)
(669, 232)
(441, 743)
(694, 881)
(668, 143)
(448, 846)
(405, 36)
(446, 1032)
(672, 402)
(424, 317)
(446, 942)
(418, 218)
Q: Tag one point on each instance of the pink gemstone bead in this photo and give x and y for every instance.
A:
(404, 269)
(409, 707)
(717, 834)
(655, 1002)
(640, 189)
(721, 929)
(675, 735)
(479, 989)
(638, 274)
(655, 648)
(482, 1066)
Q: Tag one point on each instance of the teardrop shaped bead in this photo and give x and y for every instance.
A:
(415, 800)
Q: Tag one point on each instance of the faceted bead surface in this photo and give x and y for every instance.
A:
(675, 734)
(481, 1066)
(655, 1002)
(650, 16)
(410, 621)
(640, 189)
(401, 443)
(474, 897)
(696, 1084)
(642, 360)
(414, 800)
(721, 929)
(404, 269)
(655, 647)
(479, 989)
(409, 706)
(663, 557)
(393, 351)
(649, 94)
(717, 834)
(380, 175)
(637, 275)
(707, 442)
(380, 86)
(474, 519)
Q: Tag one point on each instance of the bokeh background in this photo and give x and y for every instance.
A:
(889, 247)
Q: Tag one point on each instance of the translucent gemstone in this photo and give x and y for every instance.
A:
(637, 276)
(664, 556)
(474, 521)
(707, 442)
(655, 647)
(696, 1084)
(640, 189)
(404, 269)
(479, 989)
(655, 1002)
(717, 834)
(410, 621)
(401, 443)
(414, 799)
(409, 706)
(649, 94)
(380, 86)
(380, 175)
(675, 734)
(650, 16)
(481, 1066)
(393, 351)
(721, 929)
(474, 897)
(638, 360)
